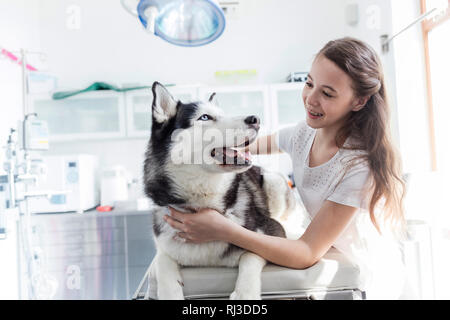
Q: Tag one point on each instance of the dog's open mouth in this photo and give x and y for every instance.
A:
(233, 156)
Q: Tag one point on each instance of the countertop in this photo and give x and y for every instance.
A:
(123, 208)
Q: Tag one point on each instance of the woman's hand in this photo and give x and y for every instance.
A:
(204, 226)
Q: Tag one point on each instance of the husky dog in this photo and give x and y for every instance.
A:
(224, 179)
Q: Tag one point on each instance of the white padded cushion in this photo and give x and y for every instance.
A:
(333, 272)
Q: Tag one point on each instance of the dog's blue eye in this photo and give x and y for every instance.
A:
(205, 117)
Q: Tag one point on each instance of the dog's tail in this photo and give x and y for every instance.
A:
(280, 195)
(285, 205)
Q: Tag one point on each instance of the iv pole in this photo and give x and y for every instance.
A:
(20, 170)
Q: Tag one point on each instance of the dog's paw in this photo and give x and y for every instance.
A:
(243, 295)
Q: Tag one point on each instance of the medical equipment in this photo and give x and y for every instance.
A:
(297, 77)
(3, 205)
(23, 168)
(187, 23)
(76, 175)
(41, 82)
(33, 133)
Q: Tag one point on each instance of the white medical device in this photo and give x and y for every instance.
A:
(77, 176)
(33, 133)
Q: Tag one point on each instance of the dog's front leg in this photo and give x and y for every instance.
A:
(168, 278)
(248, 284)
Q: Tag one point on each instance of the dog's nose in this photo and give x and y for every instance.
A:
(253, 121)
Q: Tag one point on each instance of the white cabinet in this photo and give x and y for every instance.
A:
(139, 107)
(277, 105)
(110, 114)
(242, 101)
(286, 102)
(91, 115)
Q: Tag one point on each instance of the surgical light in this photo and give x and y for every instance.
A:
(187, 23)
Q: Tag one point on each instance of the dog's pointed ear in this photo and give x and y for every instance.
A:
(212, 99)
(164, 105)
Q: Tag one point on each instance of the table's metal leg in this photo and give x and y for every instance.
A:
(142, 288)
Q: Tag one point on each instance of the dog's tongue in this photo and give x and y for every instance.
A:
(230, 152)
(231, 156)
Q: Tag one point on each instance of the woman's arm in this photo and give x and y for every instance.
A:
(324, 229)
(264, 145)
(320, 235)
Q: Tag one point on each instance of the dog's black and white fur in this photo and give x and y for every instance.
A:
(246, 194)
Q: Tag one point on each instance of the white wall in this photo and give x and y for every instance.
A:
(273, 37)
(375, 19)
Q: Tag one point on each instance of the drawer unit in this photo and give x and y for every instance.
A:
(85, 249)
(74, 222)
(105, 254)
(85, 263)
(79, 236)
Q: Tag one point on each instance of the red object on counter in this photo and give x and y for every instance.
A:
(104, 208)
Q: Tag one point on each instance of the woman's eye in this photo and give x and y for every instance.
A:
(327, 94)
(205, 117)
(309, 84)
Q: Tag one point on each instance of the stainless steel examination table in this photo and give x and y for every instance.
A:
(333, 277)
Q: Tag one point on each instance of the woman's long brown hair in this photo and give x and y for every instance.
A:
(370, 128)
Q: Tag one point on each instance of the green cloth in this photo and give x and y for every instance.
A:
(94, 87)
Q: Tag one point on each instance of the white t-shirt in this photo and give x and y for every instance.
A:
(378, 257)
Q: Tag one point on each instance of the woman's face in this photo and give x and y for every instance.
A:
(328, 95)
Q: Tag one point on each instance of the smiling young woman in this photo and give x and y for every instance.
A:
(366, 120)
(345, 169)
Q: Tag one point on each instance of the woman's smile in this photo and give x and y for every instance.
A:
(314, 115)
